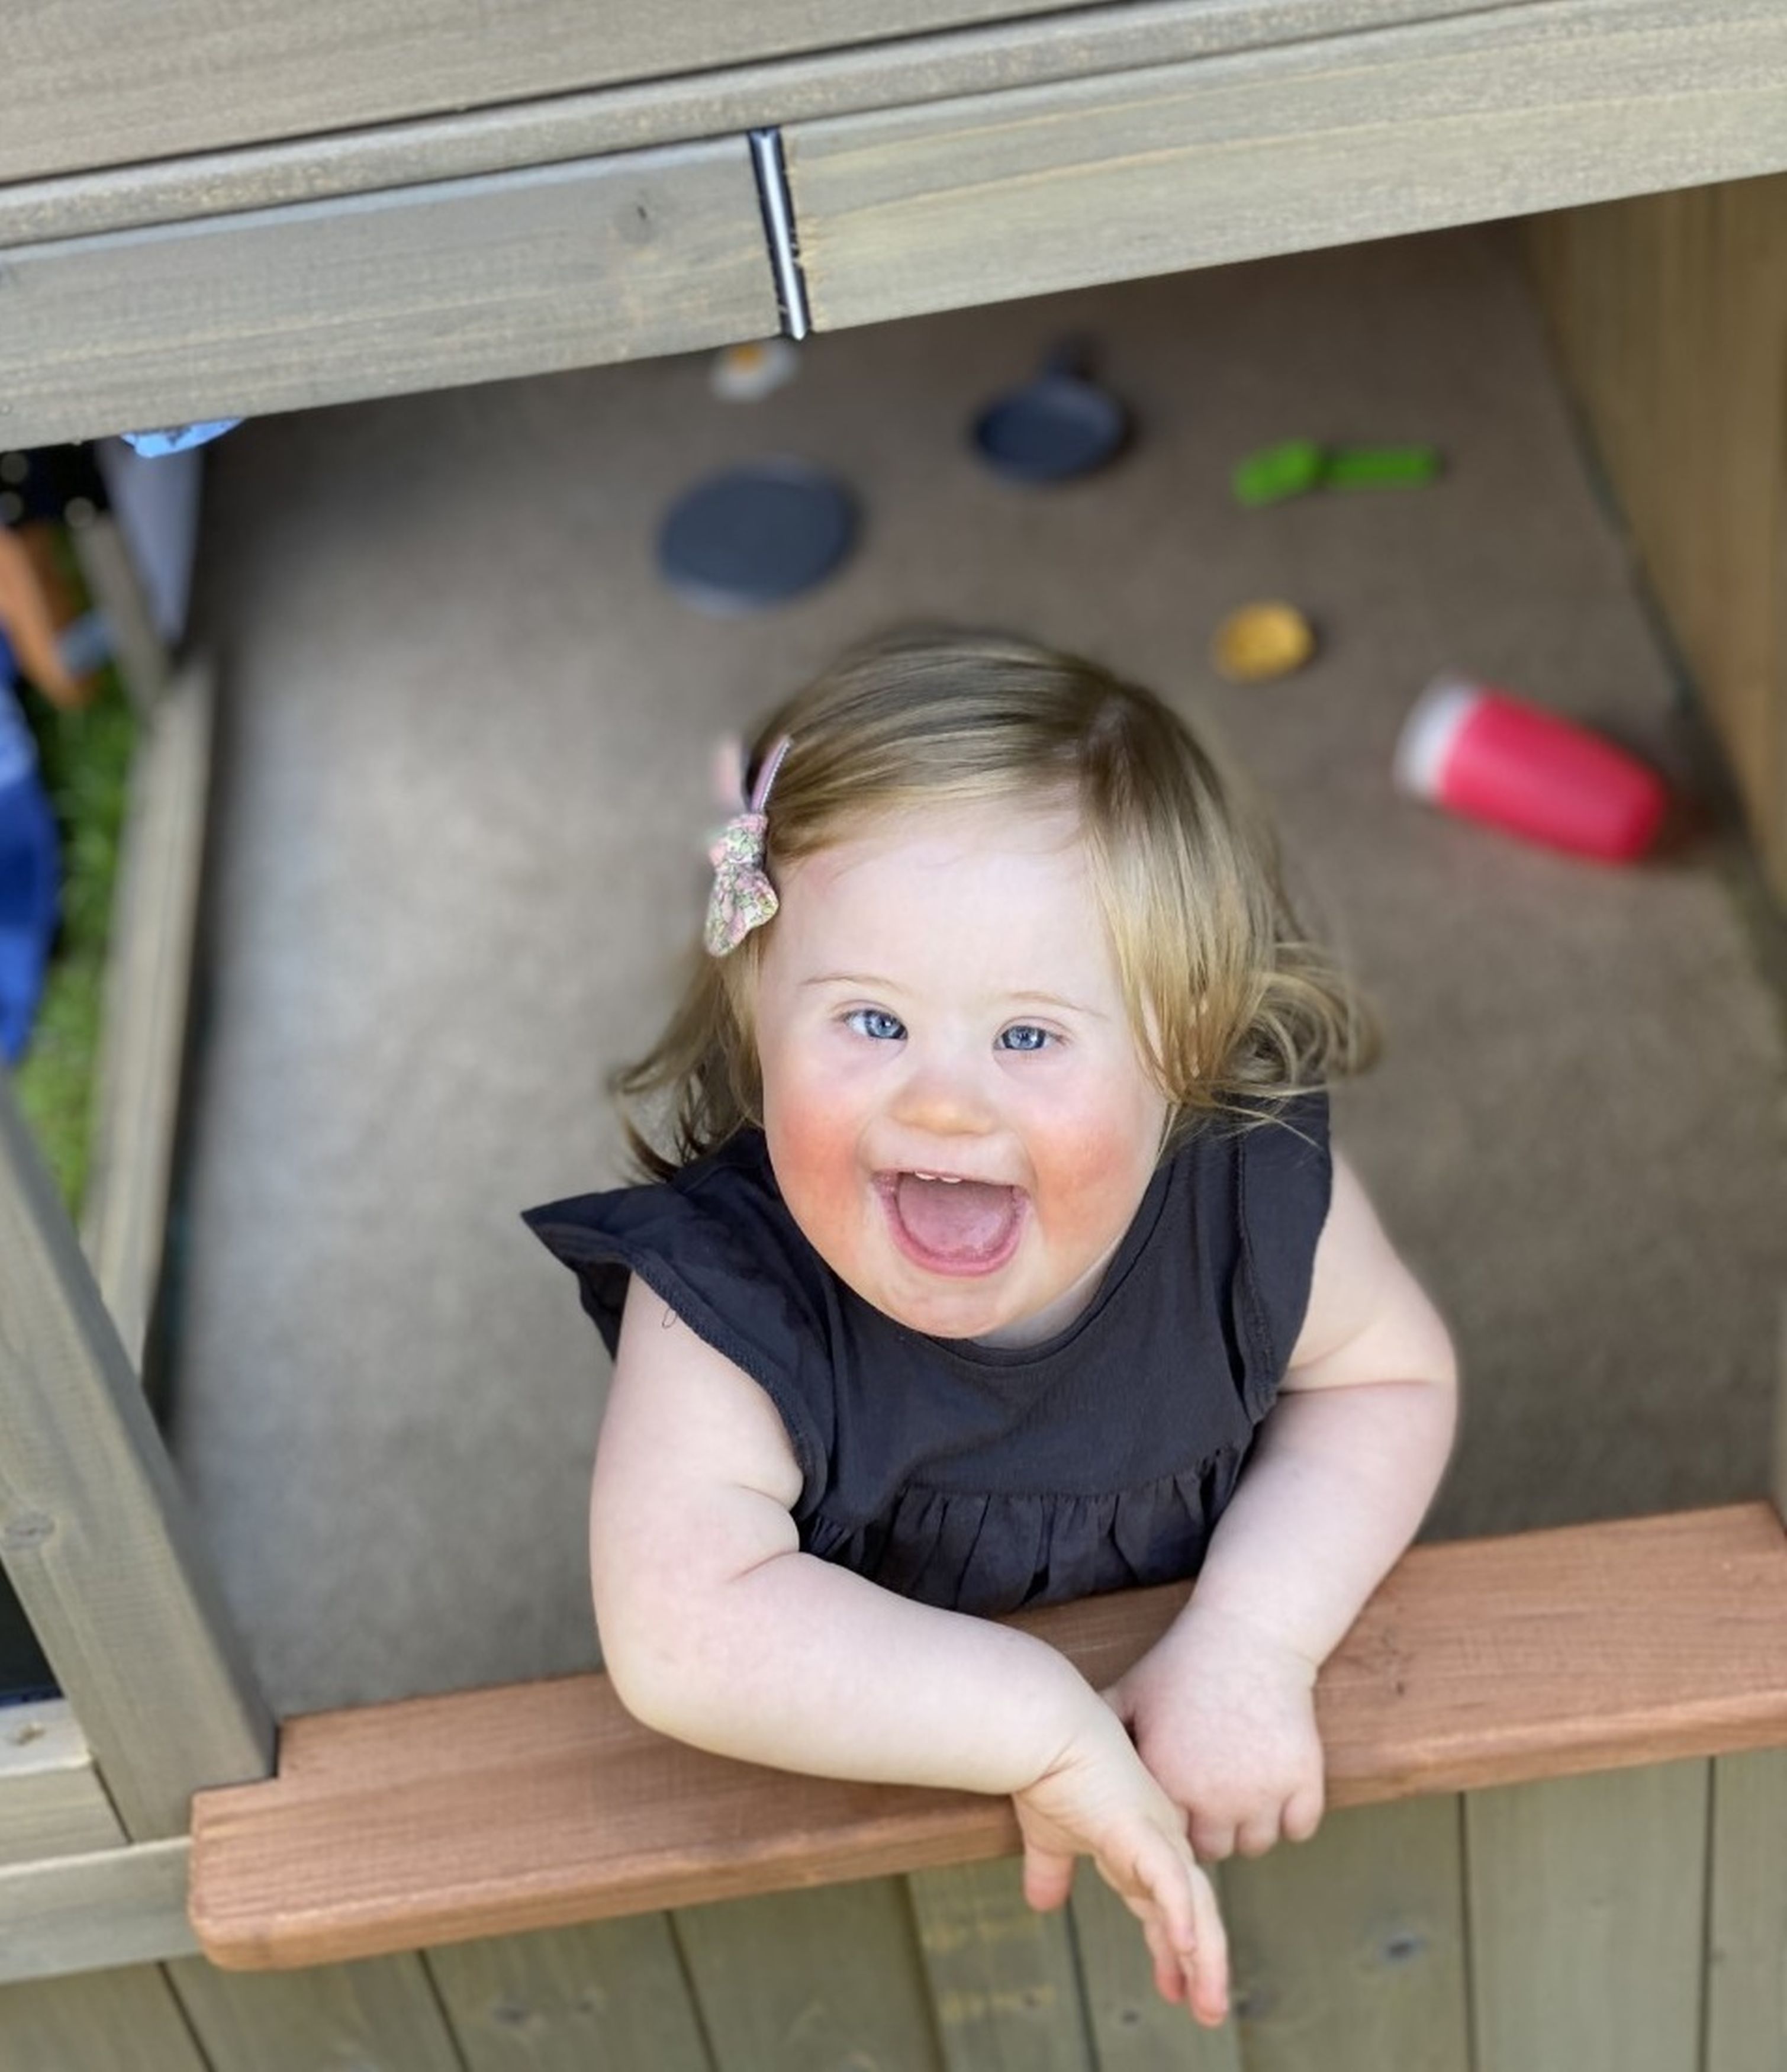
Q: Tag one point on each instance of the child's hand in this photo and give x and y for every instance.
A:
(1098, 1801)
(1223, 1715)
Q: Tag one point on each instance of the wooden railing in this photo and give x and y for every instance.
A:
(1477, 1663)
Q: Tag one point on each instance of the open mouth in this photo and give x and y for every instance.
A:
(950, 1225)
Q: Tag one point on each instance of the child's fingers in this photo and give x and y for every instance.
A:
(1303, 1814)
(1207, 1970)
(1255, 1835)
(1048, 1878)
(1212, 1837)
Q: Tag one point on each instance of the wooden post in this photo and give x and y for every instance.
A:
(95, 1534)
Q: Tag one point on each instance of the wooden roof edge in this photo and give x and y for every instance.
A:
(1421, 1717)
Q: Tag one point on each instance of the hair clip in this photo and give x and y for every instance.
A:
(743, 897)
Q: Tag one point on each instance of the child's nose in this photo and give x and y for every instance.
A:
(945, 1097)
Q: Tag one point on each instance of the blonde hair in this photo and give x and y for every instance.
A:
(1232, 1009)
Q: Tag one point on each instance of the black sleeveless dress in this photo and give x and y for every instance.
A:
(975, 1478)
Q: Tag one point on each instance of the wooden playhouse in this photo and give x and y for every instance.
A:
(1563, 1755)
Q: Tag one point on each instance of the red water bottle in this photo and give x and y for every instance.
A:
(1491, 757)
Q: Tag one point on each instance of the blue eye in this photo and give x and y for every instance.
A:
(876, 1022)
(1024, 1036)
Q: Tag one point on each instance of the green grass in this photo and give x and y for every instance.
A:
(85, 758)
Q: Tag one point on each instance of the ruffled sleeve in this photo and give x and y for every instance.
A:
(1285, 1182)
(716, 1246)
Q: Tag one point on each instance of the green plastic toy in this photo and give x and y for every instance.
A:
(1294, 466)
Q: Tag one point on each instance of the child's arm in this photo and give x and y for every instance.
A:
(1222, 1708)
(717, 1629)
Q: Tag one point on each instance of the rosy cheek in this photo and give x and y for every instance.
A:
(813, 1148)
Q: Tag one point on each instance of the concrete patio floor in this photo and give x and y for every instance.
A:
(463, 788)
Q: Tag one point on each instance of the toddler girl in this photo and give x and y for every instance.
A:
(994, 1254)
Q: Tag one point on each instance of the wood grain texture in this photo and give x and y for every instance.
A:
(485, 1812)
(52, 1802)
(187, 75)
(1349, 1950)
(106, 2021)
(718, 100)
(1282, 149)
(460, 281)
(1668, 314)
(95, 1532)
(382, 2016)
(1132, 2028)
(811, 1981)
(1746, 1933)
(148, 990)
(1002, 1977)
(609, 1993)
(1587, 1921)
(114, 1908)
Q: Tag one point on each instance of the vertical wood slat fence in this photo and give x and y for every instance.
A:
(1633, 1919)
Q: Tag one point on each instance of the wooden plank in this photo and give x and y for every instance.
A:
(1587, 1921)
(116, 589)
(107, 2021)
(1282, 149)
(148, 989)
(113, 1908)
(382, 2016)
(482, 1812)
(1132, 2028)
(1747, 1936)
(612, 1993)
(809, 1981)
(717, 100)
(457, 281)
(1349, 1950)
(1002, 1977)
(52, 1802)
(186, 76)
(1668, 314)
(139, 1640)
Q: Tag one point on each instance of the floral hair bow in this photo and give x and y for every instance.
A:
(743, 897)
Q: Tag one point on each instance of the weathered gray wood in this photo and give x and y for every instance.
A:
(52, 1802)
(460, 281)
(1002, 1981)
(379, 2016)
(568, 1999)
(1133, 2029)
(95, 1533)
(106, 2021)
(148, 989)
(186, 76)
(95, 1912)
(1747, 1938)
(1282, 149)
(1587, 1920)
(114, 585)
(710, 102)
(811, 1981)
(1349, 1950)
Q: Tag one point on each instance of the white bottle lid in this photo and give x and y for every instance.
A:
(1434, 723)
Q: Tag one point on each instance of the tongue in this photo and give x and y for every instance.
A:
(956, 1218)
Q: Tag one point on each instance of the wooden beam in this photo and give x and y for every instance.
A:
(52, 1802)
(458, 280)
(1493, 114)
(716, 99)
(95, 1912)
(95, 1533)
(301, 68)
(148, 991)
(494, 1811)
